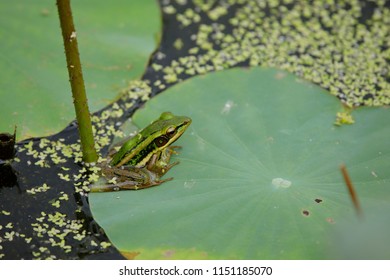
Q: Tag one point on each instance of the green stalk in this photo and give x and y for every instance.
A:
(77, 82)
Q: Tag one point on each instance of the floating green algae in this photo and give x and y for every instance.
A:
(343, 46)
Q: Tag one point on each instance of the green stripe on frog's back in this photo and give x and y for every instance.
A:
(133, 151)
(143, 156)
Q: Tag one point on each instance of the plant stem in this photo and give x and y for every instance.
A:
(77, 81)
(351, 190)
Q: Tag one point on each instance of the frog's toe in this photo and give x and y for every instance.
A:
(165, 180)
(169, 166)
(172, 149)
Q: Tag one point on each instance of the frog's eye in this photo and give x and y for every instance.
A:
(171, 131)
(161, 141)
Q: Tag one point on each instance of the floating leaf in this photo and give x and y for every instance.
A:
(114, 42)
(258, 175)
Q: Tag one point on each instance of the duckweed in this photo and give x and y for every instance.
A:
(342, 46)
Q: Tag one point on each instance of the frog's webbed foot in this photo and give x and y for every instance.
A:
(166, 168)
(147, 185)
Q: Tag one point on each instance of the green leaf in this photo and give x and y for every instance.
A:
(258, 175)
(115, 40)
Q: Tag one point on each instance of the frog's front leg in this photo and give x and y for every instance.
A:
(145, 178)
(159, 162)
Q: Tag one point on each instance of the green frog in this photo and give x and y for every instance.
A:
(144, 159)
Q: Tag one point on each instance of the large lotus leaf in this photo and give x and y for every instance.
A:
(115, 40)
(259, 172)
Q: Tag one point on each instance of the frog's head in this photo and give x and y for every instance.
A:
(167, 129)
